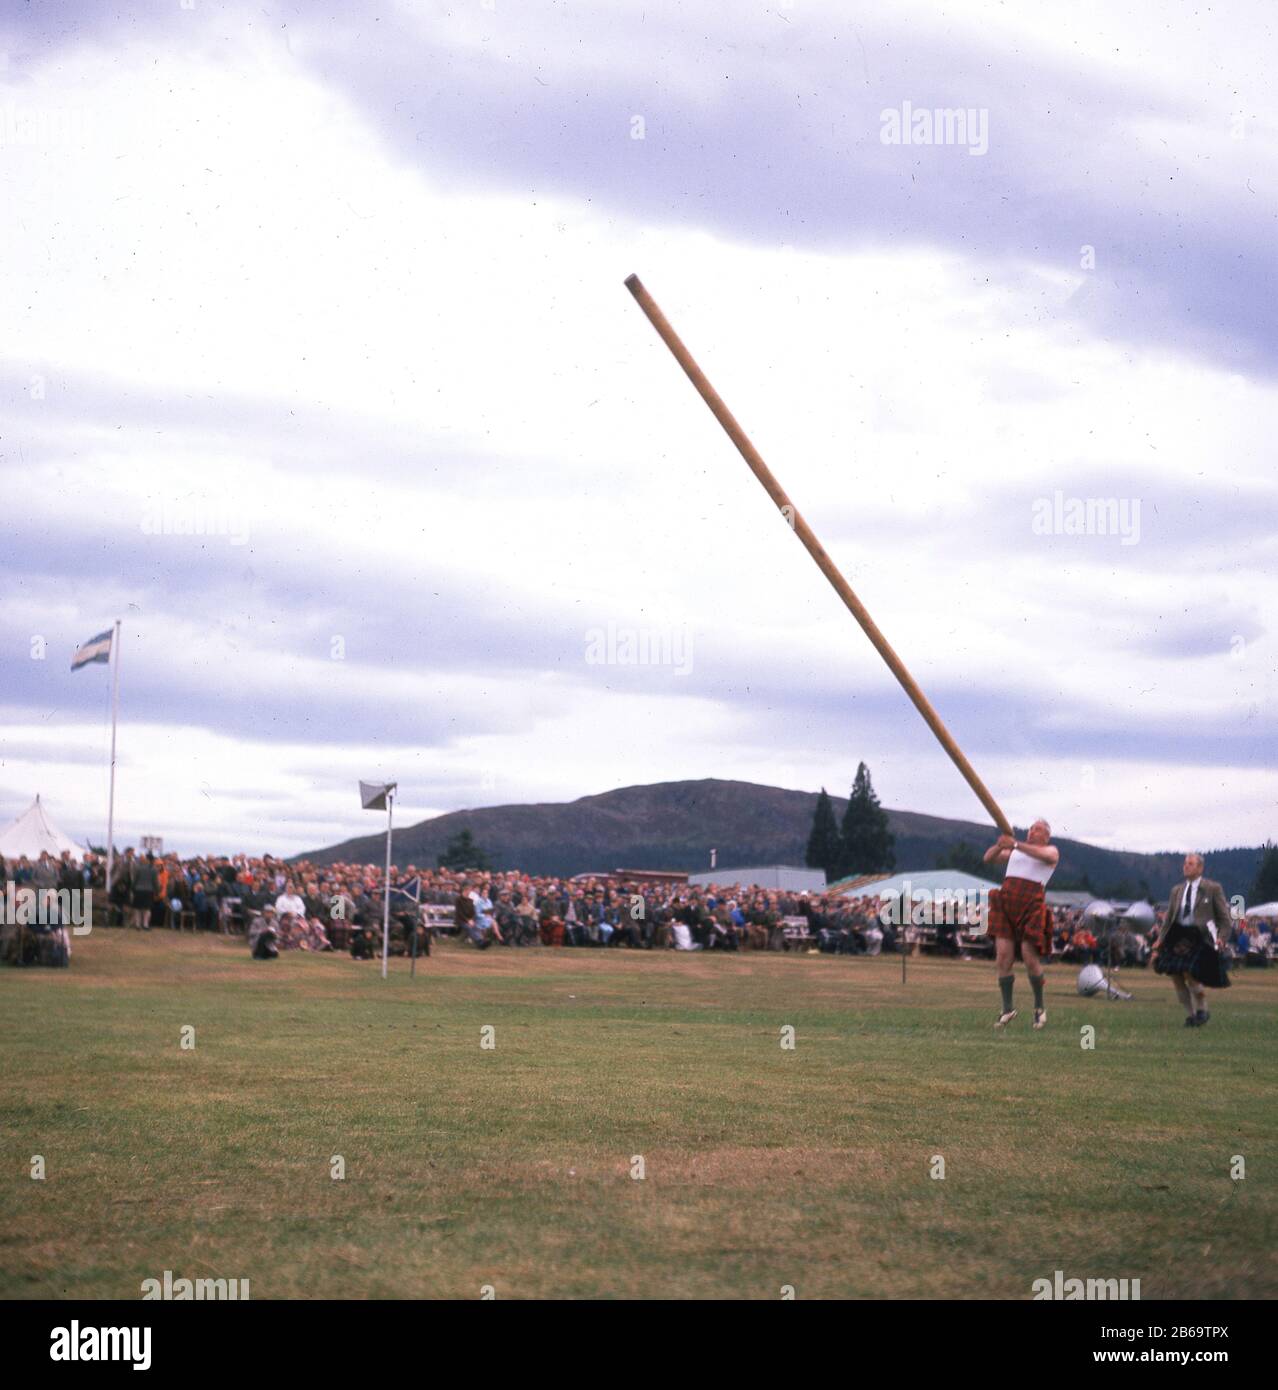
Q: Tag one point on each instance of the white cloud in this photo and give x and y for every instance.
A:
(223, 229)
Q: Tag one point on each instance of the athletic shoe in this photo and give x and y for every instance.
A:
(1191, 1021)
(1005, 1019)
(1040, 1018)
(1201, 1017)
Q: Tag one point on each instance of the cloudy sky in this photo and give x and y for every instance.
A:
(317, 370)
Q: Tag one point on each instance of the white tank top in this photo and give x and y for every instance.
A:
(1022, 865)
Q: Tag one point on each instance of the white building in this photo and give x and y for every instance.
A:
(779, 878)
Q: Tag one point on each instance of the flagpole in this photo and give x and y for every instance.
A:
(417, 922)
(390, 812)
(905, 937)
(115, 717)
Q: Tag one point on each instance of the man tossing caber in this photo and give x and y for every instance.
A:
(1019, 920)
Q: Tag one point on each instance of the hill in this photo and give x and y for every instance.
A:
(674, 825)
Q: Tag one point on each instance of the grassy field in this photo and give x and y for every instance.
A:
(512, 1167)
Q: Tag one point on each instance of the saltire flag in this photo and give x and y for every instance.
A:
(373, 794)
(410, 889)
(95, 649)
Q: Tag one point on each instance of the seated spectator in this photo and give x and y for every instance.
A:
(551, 927)
(290, 902)
(483, 929)
(758, 926)
(316, 935)
(1256, 953)
(682, 935)
(721, 934)
(526, 909)
(508, 920)
(292, 931)
(464, 908)
(263, 935)
(605, 919)
(204, 905)
(574, 930)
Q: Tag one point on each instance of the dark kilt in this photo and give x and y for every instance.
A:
(142, 899)
(1185, 951)
(1018, 912)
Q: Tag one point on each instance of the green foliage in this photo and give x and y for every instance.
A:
(463, 853)
(825, 847)
(1265, 888)
(868, 846)
(968, 859)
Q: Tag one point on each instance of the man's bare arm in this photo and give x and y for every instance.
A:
(1048, 854)
(1000, 849)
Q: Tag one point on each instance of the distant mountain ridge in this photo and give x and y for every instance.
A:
(674, 825)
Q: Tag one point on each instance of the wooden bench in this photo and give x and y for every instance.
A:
(795, 934)
(439, 918)
(230, 917)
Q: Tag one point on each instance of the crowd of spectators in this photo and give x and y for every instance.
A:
(45, 940)
(516, 910)
(285, 906)
(1081, 940)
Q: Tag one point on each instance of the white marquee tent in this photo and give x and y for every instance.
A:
(33, 832)
(920, 881)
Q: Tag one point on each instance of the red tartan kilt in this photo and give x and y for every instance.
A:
(1019, 912)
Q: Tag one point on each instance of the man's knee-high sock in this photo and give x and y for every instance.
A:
(1005, 983)
(1198, 994)
(1036, 983)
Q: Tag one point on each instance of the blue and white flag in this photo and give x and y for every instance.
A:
(410, 889)
(95, 649)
